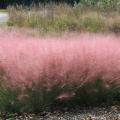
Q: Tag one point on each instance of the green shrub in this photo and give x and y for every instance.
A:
(109, 4)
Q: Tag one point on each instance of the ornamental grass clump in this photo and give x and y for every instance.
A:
(69, 70)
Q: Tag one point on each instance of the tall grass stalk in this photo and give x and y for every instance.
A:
(60, 18)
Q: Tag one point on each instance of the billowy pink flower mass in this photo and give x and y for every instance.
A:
(76, 58)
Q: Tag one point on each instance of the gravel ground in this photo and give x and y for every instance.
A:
(96, 113)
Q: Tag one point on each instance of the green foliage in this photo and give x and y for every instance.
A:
(37, 99)
(4, 3)
(60, 18)
(8, 97)
(114, 4)
(97, 92)
(9, 100)
(40, 98)
(109, 4)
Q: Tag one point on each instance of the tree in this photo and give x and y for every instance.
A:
(5, 3)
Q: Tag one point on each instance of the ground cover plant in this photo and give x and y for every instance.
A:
(41, 73)
(53, 18)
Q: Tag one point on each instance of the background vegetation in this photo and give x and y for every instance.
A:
(103, 3)
(53, 18)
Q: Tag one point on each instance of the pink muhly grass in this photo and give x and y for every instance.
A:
(65, 96)
(49, 61)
